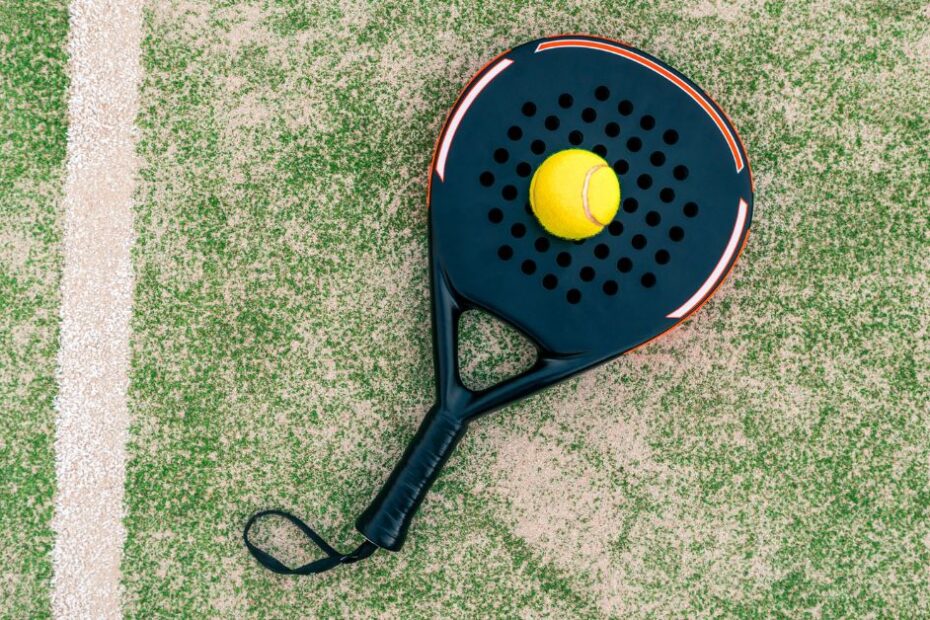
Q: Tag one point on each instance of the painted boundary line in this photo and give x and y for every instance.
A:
(92, 421)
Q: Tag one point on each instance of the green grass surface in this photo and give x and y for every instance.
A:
(33, 136)
(768, 459)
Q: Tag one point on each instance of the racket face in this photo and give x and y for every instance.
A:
(686, 195)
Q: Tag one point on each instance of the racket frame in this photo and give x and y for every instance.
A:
(387, 519)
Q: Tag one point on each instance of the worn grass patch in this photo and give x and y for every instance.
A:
(33, 138)
(768, 459)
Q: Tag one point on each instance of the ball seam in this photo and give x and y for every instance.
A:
(584, 196)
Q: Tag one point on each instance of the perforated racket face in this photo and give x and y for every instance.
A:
(686, 195)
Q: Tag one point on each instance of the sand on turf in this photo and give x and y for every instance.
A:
(766, 459)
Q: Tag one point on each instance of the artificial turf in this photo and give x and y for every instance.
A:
(33, 136)
(768, 459)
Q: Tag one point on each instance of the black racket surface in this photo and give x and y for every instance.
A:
(685, 182)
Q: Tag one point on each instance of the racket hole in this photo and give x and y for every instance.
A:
(501, 156)
(496, 216)
(566, 100)
(528, 267)
(639, 242)
(518, 230)
(600, 149)
(648, 280)
(514, 133)
(578, 241)
(601, 93)
(644, 181)
(529, 109)
(647, 122)
(610, 288)
(662, 257)
(528, 208)
(486, 179)
(573, 296)
(612, 130)
(676, 233)
(625, 107)
(667, 194)
(690, 209)
(505, 252)
(621, 166)
(670, 136)
(680, 172)
(564, 259)
(550, 281)
(552, 123)
(538, 147)
(624, 265)
(542, 244)
(587, 274)
(509, 192)
(630, 205)
(575, 137)
(615, 228)
(657, 158)
(524, 169)
(653, 218)
(601, 250)
(634, 144)
(588, 115)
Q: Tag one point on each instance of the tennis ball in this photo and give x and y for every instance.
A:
(574, 194)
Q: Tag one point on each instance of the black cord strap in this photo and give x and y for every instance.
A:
(333, 558)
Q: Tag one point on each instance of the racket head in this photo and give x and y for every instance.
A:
(686, 206)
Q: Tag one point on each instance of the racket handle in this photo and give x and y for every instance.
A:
(387, 518)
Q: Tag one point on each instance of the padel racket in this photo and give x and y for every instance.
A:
(684, 217)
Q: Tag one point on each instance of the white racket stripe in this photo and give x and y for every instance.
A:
(479, 86)
(721, 269)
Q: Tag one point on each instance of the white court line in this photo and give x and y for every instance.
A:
(92, 421)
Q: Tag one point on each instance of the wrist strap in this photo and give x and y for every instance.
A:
(333, 558)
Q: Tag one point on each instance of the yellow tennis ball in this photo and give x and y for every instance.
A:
(574, 194)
